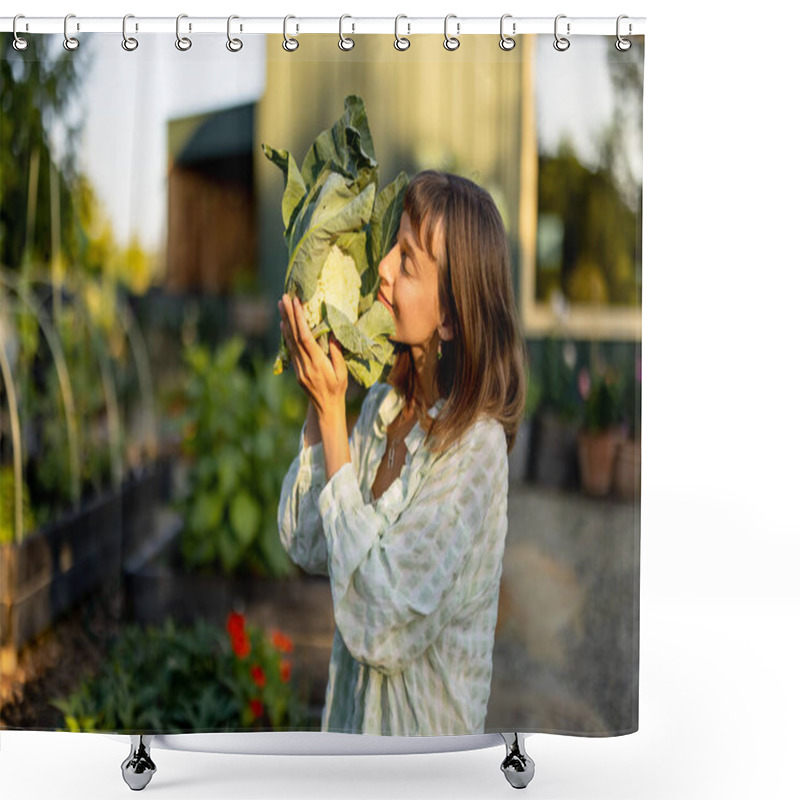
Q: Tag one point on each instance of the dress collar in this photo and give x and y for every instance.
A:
(390, 407)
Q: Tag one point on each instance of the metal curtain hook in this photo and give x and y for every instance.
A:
(182, 42)
(506, 42)
(400, 42)
(450, 42)
(234, 45)
(128, 42)
(345, 42)
(70, 42)
(20, 44)
(561, 43)
(623, 44)
(289, 44)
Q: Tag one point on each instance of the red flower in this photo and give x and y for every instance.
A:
(241, 645)
(259, 678)
(239, 638)
(257, 707)
(286, 670)
(282, 642)
(235, 624)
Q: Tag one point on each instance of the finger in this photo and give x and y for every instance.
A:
(337, 358)
(304, 337)
(291, 319)
(290, 324)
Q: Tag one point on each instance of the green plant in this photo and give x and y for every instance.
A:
(556, 372)
(603, 399)
(262, 673)
(172, 679)
(241, 431)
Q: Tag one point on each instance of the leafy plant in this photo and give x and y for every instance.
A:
(556, 374)
(174, 678)
(241, 429)
(263, 672)
(337, 231)
(603, 407)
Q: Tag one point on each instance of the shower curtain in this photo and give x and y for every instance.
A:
(151, 203)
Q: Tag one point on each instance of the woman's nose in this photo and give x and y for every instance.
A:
(385, 267)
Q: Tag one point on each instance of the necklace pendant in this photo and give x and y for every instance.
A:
(391, 456)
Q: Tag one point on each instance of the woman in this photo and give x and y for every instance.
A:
(408, 516)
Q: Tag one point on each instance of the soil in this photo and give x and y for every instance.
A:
(55, 664)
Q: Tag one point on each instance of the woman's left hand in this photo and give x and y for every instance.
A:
(322, 378)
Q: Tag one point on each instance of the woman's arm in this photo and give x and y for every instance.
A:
(392, 584)
(299, 522)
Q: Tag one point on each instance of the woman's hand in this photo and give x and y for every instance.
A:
(323, 379)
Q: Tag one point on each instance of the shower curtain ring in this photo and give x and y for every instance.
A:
(234, 45)
(400, 42)
(289, 44)
(506, 42)
(345, 42)
(70, 42)
(623, 44)
(183, 43)
(451, 42)
(20, 44)
(561, 43)
(129, 43)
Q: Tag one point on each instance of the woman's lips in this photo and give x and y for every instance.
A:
(385, 301)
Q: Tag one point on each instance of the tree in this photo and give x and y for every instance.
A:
(38, 135)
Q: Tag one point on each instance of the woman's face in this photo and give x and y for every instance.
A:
(409, 287)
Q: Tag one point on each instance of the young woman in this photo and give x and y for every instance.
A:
(407, 516)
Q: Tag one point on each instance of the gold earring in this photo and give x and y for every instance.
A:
(439, 351)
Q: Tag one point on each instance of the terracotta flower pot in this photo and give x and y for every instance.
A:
(628, 472)
(597, 453)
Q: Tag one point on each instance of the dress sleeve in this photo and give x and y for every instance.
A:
(391, 583)
(299, 522)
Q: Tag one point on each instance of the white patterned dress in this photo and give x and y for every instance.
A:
(414, 575)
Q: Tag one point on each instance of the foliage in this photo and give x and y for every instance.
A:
(600, 247)
(241, 432)
(602, 393)
(335, 223)
(263, 673)
(557, 390)
(37, 88)
(173, 679)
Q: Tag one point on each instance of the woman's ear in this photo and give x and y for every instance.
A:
(445, 332)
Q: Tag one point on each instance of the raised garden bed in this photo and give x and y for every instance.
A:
(54, 568)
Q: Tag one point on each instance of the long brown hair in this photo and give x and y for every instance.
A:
(482, 370)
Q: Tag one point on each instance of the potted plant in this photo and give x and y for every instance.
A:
(601, 432)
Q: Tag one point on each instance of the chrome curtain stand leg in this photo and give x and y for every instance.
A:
(517, 766)
(138, 768)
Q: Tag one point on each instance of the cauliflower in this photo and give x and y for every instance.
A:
(338, 227)
(339, 285)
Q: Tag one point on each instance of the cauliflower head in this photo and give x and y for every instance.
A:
(339, 285)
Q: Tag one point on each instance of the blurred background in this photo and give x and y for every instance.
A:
(143, 437)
